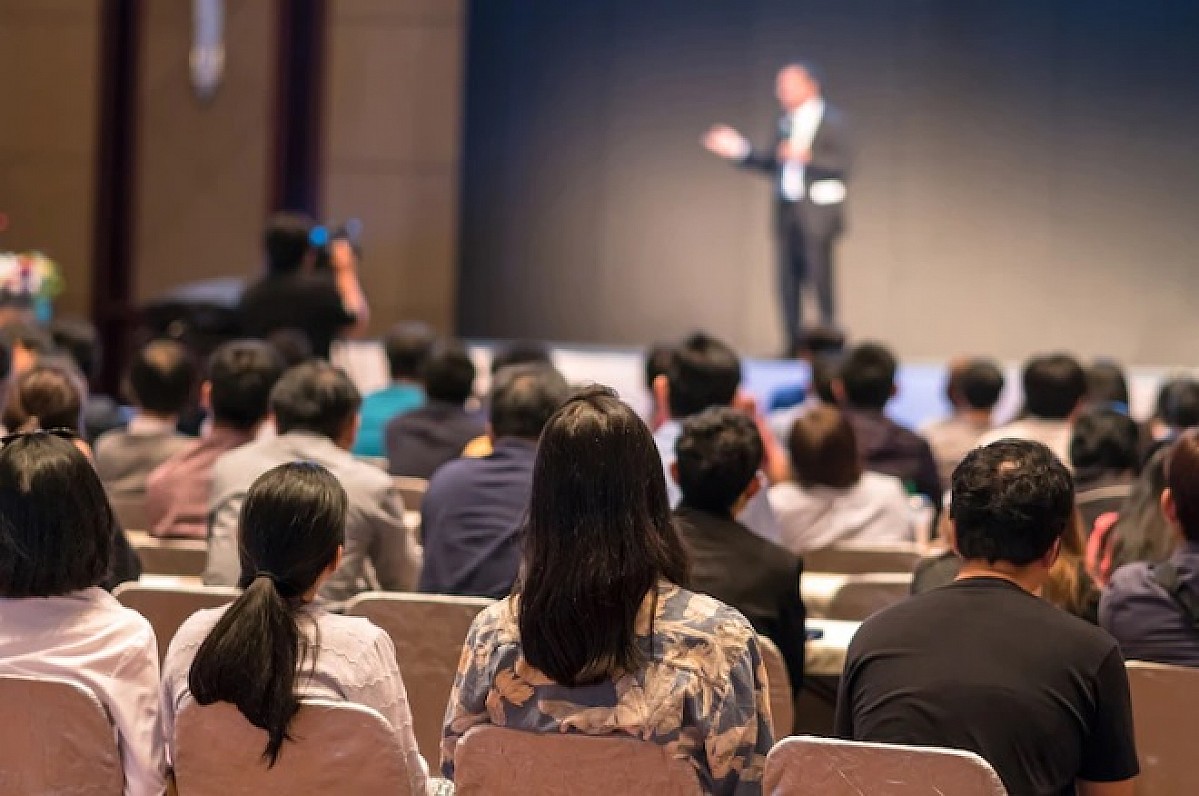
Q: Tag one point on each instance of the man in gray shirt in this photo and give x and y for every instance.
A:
(315, 407)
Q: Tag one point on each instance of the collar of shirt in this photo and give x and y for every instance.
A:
(145, 426)
(804, 121)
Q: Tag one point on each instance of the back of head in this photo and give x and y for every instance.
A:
(520, 352)
(599, 536)
(56, 527)
(79, 340)
(868, 376)
(821, 341)
(292, 527)
(293, 346)
(286, 241)
(703, 372)
(1178, 403)
(657, 362)
(26, 344)
(408, 346)
(1141, 532)
(1011, 501)
(161, 377)
(1107, 385)
(718, 453)
(523, 398)
(1054, 385)
(824, 450)
(975, 384)
(242, 374)
(1182, 479)
(317, 398)
(47, 397)
(449, 374)
(1104, 441)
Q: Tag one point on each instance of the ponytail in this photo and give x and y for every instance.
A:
(250, 659)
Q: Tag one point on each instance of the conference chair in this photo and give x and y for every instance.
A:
(495, 761)
(782, 705)
(412, 489)
(167, 607)
(428, 632)
(862, 560)
(335, 747)
(830, 767)
(1165, 713)
(169, 556)
(859, 596)
(56, 738)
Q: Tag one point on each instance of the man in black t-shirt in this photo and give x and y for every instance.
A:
(983, 664)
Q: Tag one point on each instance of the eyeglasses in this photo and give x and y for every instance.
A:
(69, 435)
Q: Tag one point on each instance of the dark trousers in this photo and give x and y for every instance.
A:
(803, 254)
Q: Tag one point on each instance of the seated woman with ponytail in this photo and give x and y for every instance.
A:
(274, 645)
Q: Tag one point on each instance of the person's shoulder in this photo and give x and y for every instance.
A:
(195, 629)
(881, 483)
(110, 440)
(685, 613)
(1129, 578)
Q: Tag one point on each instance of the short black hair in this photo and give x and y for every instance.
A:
(1107, 384)
(703, 372)
(286, 241)
(657, 362)
(1011, 500)
(315, 397)
(520, 352)
(820, 340)
(719, 452)
(977, 383)
(1104, 440)
(293, 345)
(1054, 385)
(868, 376)
(79, 340)
(1178, 403)
(449, 374)
(161, 377)
(242, 374)
(523, 398)
(408, 345)
(57, 529)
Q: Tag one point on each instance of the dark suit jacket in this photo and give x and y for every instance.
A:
(755, 576)
(889, 448)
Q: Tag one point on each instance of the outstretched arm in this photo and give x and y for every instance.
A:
(724, 141)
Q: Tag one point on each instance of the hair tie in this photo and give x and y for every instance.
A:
(272, 577)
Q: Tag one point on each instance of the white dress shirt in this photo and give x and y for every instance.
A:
(805, 120)
(351, 660)
(90, 638)
(872, 512)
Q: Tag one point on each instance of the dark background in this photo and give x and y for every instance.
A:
(1026, 178)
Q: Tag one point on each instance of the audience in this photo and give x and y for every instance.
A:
(864, 387)
(27, 344)
(657, 363)
(1055, 386)
(1152, 609)
(160, 384)
(520, 352)
(474, 507)
(80, 341)
(292, 345)
(56, 545)
(241, 375)
(1105, 452)
(831, 500)
(601, 636)
(407, 346)
(315, 407)
(1138, 531)
(717, 459)
(420, 441)
(1107, 386)
(984, 665)
(1176, 409)
(274, 644)
(973, 388)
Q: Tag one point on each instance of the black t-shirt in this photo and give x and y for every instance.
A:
(304, 301)
(984, 666)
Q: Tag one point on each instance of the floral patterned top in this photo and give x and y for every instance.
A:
(703, 692)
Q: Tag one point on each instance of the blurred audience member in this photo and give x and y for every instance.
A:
(408, 346)
(657, 363)
(1176, 410)
(1055, 386)
(1105, 452)
(80, 341)
(420, 441)
(822, 348)
(27, 343)
(241, 375)
(292, 345)
(474, 507)
(520, 352)
(1138, 531)
(973, 388)
(1107, 386)
(831, 500)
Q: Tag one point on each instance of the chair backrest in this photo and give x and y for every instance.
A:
(861, 560)
(130, 511)
(428, 632)
(169, 556)
(495, 761)
(831, 767)
(335, 747)
(1165, 712)
(56, 738)
(782, 705)
(862, 595)
(412, 489)
(166, 607)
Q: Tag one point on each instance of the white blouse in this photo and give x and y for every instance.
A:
(355, 662)
(872, 512)
(89, 637)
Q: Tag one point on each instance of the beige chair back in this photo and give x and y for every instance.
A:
(808, 765)
(862, 560)
(1165, 712)
(494, 761)
(428, 632)
(130, 511)
(862, 595)
(169, 556)
(782, 704)
(412, 489)
(336, 747)
(167, 607)
(56, 738)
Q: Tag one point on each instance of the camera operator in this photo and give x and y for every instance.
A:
(323, 303)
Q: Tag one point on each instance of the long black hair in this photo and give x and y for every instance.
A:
(292, 524)
(599, 536)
